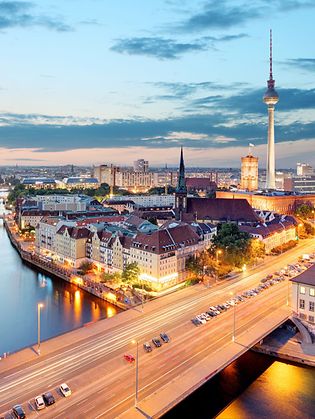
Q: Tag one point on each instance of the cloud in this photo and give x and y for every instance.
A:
(224, 14)
(157, 47)
(20, 14)
(220, 15)
(307, 64)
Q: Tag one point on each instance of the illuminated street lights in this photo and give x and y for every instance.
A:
(137, 371)
(218, 252)
(39, 306)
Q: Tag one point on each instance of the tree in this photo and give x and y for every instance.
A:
(114, 278)
(304, 211)
(256, 250)
(201, 265)
(131, 273)
(86, 267)
(234, 244)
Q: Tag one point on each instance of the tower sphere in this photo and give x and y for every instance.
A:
(271, 97)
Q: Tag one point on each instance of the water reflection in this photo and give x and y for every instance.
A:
(21, 289)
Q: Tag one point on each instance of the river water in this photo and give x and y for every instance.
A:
(255, 386)
(22, 288)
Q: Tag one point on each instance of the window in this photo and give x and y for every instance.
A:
(302, 290)
(302, 304)
(312, 305)
(311, 319)
(312, 292)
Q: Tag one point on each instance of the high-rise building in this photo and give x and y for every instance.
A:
(249, 173)
(271, 98)
(141, 165)
(106, 174)
(304, 169)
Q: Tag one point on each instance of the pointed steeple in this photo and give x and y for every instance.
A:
(181, 184)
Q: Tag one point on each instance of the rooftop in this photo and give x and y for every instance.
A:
(307, 277)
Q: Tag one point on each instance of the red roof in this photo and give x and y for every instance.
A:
(200, 183)
(166, 240)
(221, 209)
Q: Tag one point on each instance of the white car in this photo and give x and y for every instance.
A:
(39, 403)
(65, 390)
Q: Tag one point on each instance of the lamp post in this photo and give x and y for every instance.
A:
(137, 372)
(39, 306)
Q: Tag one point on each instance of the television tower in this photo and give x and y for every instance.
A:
(271, 98)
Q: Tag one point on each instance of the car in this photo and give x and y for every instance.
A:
(196, 321)
(147, 347)
(201, 319)
(18, 411)
(65, 390)
(129, 357)
(157, 342)
(165, 337)
(39, 403)
(48, 398)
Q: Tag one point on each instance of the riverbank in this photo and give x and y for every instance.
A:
(98, 290)
(285, 343)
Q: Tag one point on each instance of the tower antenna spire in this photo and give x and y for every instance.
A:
(270, 58)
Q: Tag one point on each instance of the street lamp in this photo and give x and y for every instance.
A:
(233, 335)
(218, 252)
(39, 306)
(137, 371)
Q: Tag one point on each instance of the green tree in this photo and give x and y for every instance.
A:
(86, 267)
(131, 273)
(113, 278)
(256, 249)
(304, 211)
(234, 244)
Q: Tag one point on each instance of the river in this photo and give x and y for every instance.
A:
(65, 307)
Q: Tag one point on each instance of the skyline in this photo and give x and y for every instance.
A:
(163, 79)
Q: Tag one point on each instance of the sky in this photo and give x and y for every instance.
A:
(93, 82)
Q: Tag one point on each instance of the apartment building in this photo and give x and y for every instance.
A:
(303, 297)
(70, 245)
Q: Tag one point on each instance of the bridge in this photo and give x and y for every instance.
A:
(104, 385)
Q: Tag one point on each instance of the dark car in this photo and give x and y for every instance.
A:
(147, 347)
(156, 342)
(48, 398)
(18, 411)
(165, 337)
(195, 321)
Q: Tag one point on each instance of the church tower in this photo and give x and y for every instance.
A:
(181, 190)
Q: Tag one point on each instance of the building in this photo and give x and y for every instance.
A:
(304, 184)
(280, 202)
(271, 98)
(135, 181)
(303, 298)
(144, 200)
(106, 174)
(211, 210)
(141, 165)
(200, 185)
(81, 183)
(249, 173)
(70, 245)
(45, 233)
(304, 169)
(276, 233)
(40, 183)
(165, 178)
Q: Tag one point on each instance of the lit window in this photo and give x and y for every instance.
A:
(312, 292)
(302, 290)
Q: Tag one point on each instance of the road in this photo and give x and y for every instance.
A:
(103, 383)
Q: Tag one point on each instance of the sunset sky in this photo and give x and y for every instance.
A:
(89, 82)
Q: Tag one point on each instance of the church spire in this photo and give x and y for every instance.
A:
(181, 184)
